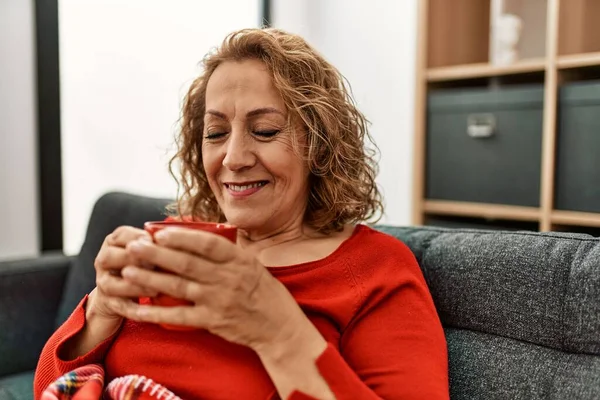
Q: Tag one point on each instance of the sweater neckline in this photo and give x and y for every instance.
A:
(309, 265)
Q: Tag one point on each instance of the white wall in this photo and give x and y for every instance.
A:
(373, 43)
(19, 236)
(125, 65)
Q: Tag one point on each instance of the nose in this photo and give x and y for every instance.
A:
(239, 154)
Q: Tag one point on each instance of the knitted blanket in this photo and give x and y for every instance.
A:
(87, 383)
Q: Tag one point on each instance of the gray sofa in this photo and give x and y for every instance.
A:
(521, 311)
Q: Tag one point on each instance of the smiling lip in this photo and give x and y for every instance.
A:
(244, 189)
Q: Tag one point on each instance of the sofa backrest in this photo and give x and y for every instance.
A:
(521, 310)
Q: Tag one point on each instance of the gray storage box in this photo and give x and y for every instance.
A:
(484, 145)
(578, 148)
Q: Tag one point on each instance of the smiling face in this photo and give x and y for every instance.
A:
(259, 181)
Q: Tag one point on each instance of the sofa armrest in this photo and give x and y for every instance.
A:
(30, 294)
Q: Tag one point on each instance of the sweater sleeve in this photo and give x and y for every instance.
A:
(394, 347)
(51, 366)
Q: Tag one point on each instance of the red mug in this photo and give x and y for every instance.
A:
(225, 230)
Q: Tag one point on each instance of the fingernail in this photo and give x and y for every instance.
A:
(142, 311)
(160, 235)
(128, 272)
(147, 239)
(137, 245)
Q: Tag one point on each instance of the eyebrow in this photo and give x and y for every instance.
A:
(249, 114)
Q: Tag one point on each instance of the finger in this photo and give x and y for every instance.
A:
(112, 258)
(119, 306)
(117, 287)
(178, 262)
(172, 285)
(180, 315)
(125, 234)
(205, 244)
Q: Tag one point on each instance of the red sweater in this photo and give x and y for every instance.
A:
(368, 299)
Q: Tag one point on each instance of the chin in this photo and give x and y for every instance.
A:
(245, 220)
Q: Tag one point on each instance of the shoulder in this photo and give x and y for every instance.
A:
(379, 261)
(385, 272)
(375, 247)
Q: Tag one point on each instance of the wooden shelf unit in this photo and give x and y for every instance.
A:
(578, 60)
(484, 70)
(481, 210)
(453, 47)
(575, 218)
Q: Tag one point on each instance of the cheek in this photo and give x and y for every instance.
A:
(210, 163)
(281, 162)
(296, 171)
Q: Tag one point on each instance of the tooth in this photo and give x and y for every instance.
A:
(240, 188)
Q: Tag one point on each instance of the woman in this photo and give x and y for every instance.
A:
(309, 303)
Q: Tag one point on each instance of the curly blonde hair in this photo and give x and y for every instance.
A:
(342, 186)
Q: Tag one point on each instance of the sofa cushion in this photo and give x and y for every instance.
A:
(485, 366)
(17, 387)
(110, 211)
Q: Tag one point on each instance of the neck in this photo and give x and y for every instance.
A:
(256, 241)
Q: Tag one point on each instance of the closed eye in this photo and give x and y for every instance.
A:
(267, 133)
(215, 135)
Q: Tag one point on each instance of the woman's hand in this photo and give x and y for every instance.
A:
(234, 296)
(102, 309)
(111, 289)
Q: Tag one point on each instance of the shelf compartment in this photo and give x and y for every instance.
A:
(483, 70)
(458, 32)
(578, 31)
(578, 60)
(483, 145)
(575, 218)
(577, 171)
(481, 210)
